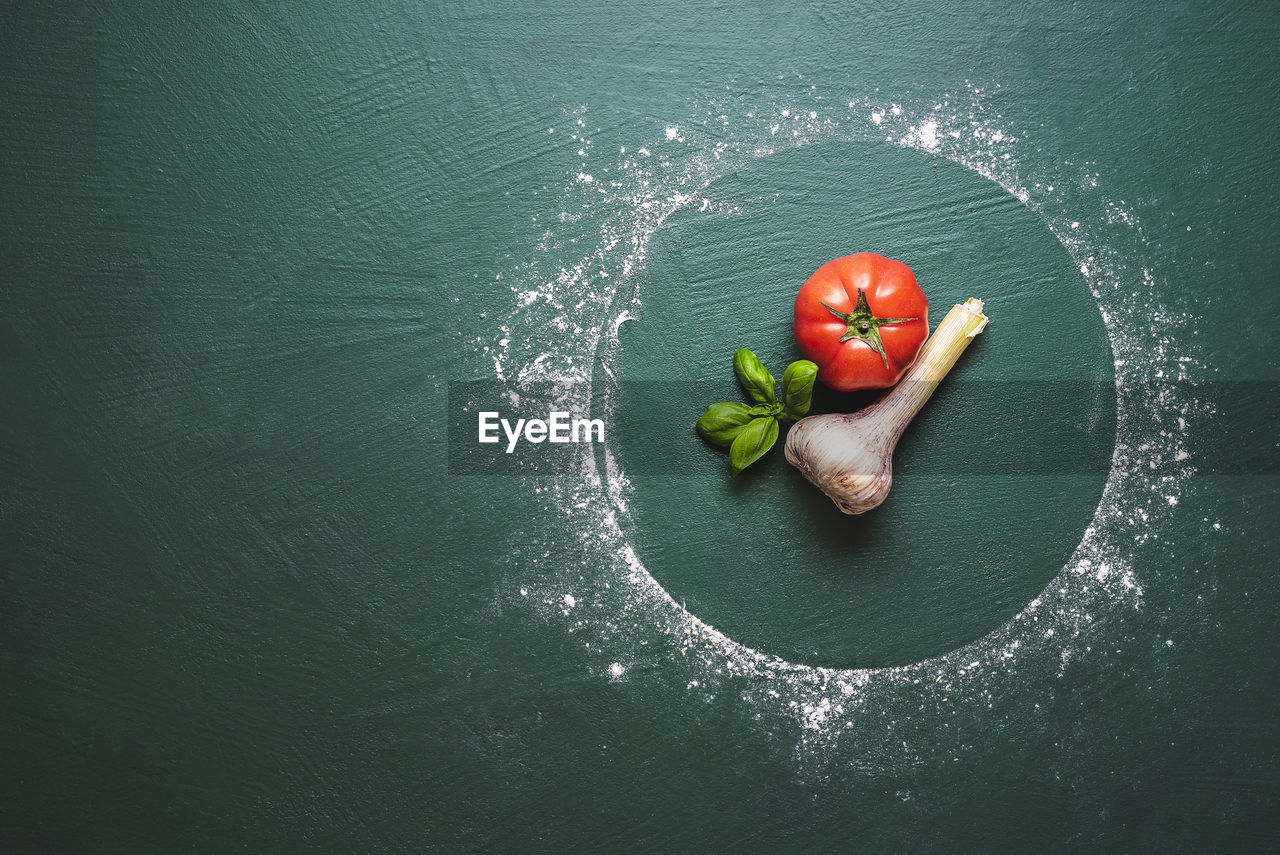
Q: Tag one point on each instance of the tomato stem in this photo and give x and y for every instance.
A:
(865, 326)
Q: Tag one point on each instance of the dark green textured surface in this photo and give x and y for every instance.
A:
(895, 586)
(244, 606)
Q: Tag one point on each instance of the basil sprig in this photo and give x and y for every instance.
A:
(750, 430)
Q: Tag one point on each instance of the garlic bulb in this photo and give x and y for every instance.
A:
(850, 457)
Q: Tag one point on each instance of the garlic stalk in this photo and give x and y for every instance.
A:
(850, 457)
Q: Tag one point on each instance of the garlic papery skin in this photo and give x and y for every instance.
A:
(850, 456)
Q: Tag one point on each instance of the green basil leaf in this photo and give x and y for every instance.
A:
(753, 376)
(752, 442)
(797, 386)
(765, 409)
(722, 422)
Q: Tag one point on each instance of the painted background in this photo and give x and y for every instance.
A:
(260, 594)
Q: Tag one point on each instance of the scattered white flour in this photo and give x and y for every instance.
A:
(923, 136)
(570, 298)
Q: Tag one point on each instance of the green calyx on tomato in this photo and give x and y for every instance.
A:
(865, 326)
(862, 319)
(750, 430)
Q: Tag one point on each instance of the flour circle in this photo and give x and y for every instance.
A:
(566, 324)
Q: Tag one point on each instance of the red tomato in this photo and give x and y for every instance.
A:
(862, 319)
